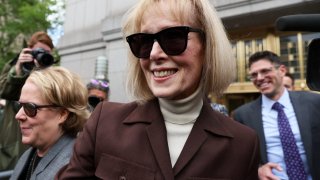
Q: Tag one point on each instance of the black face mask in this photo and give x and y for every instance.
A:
(94, 100)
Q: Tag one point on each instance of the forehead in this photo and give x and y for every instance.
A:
(161, 13)
(30, 93)
(42, 45)
(260, 64)
(97, 92)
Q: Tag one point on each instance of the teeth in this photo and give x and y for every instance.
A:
(163, 73)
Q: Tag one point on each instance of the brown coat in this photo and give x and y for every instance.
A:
(128, 141)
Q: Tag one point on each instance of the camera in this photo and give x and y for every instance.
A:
(43, 57)
(310, 23)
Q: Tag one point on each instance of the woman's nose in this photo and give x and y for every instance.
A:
(156, 51)
(20, 116)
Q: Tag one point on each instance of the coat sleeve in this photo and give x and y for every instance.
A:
(254, 165)
(10, 84)
(82, 163)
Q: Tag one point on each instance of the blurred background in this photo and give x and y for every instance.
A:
(88, 39)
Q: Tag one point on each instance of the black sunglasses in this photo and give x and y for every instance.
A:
(173, 41)
(31, 109)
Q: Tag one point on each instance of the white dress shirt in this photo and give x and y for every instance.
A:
(271, 132)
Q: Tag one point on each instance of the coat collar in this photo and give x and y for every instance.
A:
(208, 121)
(150, 112)
(53, 152)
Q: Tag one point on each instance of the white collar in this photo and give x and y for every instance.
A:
(182, 111)
(283, 100)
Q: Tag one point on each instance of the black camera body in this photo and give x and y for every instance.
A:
(310, 23)
(43, 57)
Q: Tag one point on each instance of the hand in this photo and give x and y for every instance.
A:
(265, 171)
(24, 57)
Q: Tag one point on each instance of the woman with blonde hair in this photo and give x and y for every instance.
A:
(53, 110)
(179, 53)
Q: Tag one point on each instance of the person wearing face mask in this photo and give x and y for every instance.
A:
(12, 78)
(52, 111)
(98, 91)
(179, 53)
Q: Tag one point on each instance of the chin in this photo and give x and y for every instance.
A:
(163, 92)
(26, 140)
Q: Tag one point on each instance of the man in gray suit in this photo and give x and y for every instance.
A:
(300, 109)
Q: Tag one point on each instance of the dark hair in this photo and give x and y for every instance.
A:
(267, 55)
(290, 76)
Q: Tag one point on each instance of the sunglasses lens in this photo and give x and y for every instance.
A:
(141, 44)
(173, 41)
(30, 109)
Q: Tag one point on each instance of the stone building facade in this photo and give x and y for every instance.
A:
(92, 29)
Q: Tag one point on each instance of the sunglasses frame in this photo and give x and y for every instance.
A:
(34, 107)
(151, 38)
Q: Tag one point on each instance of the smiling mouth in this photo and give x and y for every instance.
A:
(165, 73)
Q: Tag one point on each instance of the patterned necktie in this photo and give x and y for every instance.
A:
(295, 167)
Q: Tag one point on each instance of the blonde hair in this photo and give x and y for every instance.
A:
(61, 87)
(219, 68)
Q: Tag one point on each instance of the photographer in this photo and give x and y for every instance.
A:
(12, 78)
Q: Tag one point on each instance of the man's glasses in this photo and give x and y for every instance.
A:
(263, 72)
(173, 41)
(31, 109)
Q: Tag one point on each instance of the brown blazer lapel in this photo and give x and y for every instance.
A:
(194, 142)
(158, 140)
(205, 122)
(157, 134)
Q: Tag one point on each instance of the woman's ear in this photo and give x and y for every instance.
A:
(64, 113)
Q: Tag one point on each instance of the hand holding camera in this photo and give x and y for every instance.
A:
(30, 58)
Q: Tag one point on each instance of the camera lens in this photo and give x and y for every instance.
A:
(44, 59)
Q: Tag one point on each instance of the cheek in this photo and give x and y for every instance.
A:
(197, 59)
(49, 119)
(144, 64)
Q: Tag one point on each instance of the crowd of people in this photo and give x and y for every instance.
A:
(53, 126)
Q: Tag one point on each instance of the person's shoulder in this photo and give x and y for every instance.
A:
(239, 130)
(118, 106)
(113, 110)
(247, 106)
(306, 95)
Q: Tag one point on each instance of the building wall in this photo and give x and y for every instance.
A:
(93, 28)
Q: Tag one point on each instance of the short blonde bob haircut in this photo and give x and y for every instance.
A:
(61, 87)
(219, 67)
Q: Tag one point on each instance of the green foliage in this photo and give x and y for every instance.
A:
(21, 18)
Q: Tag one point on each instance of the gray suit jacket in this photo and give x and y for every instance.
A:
(306, 106)
(58, 156)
